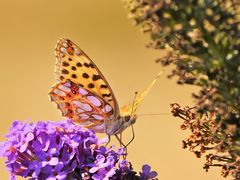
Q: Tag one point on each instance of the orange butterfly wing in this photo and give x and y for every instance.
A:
(81, 105)
(74, 65)
(82, 94)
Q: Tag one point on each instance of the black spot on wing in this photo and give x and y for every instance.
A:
(65, 63)
(91, 85)
(96, 77)
(86, 65)
(74, 76)
(73, 68)
(64, 71)
(61, 78)
(81, 85)
(106, 95)
(85, 75)
(79, 64)
(91, 65)
(103, 86)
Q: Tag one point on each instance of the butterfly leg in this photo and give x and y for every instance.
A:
(122, 145)
(109, 139)
(133, 136)
(125, 146)
(120, 140)
(121, 135)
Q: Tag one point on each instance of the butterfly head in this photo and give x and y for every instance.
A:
(127, 120)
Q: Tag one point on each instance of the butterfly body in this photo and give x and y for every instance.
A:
(83, 94)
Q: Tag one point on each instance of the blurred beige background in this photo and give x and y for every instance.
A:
(28, 33)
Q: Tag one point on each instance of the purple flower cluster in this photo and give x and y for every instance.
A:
(61, 150)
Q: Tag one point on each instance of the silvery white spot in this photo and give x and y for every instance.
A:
(64, 88)
(63, 50)
(77, 103)
(77, 52)
(68, 84)
(80, 110)
(83, 91)
(86, 107)
(94, 100)
(108, 108)
(64, 111)
(61, 105)
(98, 117)
(59, 92)
(65, 44)
(84, 116)
(54, 98)
(83, 106)
(100, 127)
(85, 123)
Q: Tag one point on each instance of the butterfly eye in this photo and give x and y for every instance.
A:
(127, 118)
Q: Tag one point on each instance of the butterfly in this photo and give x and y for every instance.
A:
(83, 94)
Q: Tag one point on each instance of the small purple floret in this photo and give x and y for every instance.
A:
(147, 173)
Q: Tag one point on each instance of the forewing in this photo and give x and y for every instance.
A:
(131, 108)
(74, 65)
(81, 105)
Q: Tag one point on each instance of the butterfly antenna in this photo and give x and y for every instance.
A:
(131, 115)
(154, 114)
(134, 100)
(109, 140)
